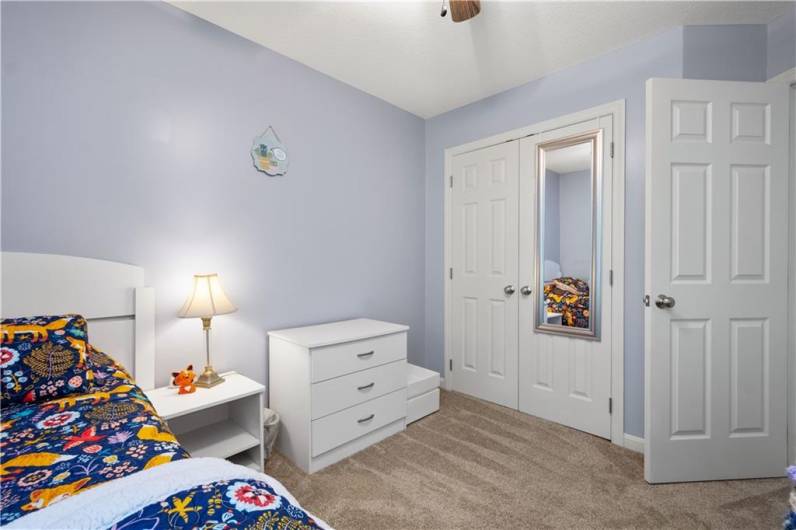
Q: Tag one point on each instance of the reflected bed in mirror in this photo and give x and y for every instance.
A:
(569, 181)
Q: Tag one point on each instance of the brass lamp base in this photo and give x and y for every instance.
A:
(209, 378)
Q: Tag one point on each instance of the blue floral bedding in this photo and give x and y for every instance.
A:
(54, 449)
(790, 518)
(222, 505)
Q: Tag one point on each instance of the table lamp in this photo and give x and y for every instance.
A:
(206, 301)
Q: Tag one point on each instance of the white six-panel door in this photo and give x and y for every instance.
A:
(716, 248)
(563, 378)
(484, 255)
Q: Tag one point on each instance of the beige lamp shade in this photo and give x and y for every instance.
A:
(207, 298)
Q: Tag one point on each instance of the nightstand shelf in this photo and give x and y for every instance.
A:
(242, 459)
(224, 421)
(223, 439)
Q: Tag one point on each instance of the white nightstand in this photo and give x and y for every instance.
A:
(225, 421)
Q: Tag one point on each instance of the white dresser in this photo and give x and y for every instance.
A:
(339, 387)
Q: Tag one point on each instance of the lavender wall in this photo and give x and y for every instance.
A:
(617, 75)
(781, 43)
(126, 133)
(567, 225)
(727, 52)
(552, 220)
(575, 211)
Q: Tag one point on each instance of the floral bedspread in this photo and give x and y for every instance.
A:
(790, 518)
(570, 297)
(222, 505)
(54, 449)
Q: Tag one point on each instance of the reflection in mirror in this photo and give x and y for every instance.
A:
(566, 260)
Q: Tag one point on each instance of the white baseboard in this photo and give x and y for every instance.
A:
(634, 443)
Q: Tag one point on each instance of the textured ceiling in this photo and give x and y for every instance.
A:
(404, 53)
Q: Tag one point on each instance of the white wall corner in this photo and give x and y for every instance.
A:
(634, 443)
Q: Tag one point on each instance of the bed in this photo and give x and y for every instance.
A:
(568, 299)
(82, 447)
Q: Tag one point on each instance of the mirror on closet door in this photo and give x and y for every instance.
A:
(568, 238)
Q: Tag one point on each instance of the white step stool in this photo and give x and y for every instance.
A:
(422, 393)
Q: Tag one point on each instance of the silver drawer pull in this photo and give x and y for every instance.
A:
(368, 418)
(366, 387)
(366, 354)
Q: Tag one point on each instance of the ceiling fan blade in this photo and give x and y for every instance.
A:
(462, 10)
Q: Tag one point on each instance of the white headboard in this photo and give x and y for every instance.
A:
(110, 295)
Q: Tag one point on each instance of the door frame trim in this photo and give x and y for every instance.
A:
(617, 258)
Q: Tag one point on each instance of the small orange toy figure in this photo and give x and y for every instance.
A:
(184, 379)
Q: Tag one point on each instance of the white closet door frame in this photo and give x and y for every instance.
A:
(616, 260)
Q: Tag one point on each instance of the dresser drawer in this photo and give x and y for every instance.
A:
(342, 359)
(348, 390)
(349, 424)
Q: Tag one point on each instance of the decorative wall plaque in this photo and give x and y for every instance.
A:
(269, 154)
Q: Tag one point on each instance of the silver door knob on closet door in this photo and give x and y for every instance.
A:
(664, 302)
(509, 290)
(525, 290)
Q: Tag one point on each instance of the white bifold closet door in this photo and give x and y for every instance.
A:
(484, 254)
(497, 352)
(563, 378)
(716, 272)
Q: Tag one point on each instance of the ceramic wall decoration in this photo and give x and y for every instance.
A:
(269, 154)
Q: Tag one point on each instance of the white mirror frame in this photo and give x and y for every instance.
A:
(595, 294)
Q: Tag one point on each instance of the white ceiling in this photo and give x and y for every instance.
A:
(406, 54)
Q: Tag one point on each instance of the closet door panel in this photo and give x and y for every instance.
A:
(484, 256)
(564, 314)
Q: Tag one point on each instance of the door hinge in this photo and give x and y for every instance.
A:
(610, 405)
(450, 365)
(451, 181)
(611, 277)
(612, 149)
(647, 300)
(450, 273)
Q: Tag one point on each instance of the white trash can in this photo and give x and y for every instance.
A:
(270, 430)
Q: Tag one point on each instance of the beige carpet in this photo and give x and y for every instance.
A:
(478, 465)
